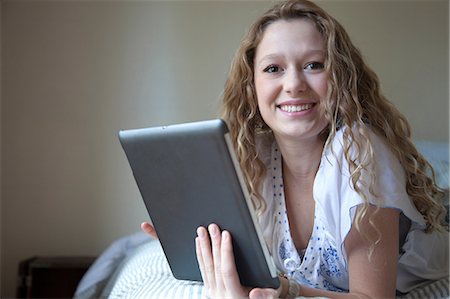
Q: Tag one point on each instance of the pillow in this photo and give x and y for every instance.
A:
(97, 276)
(146, 274)
(437, 154)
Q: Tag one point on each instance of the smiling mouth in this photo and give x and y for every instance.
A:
(296, 108)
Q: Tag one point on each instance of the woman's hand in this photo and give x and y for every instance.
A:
(149, 229)
(216, 262)
(218, 267)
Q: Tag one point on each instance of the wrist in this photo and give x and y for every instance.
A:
(284, 286)
(293, 289)
(288, 287)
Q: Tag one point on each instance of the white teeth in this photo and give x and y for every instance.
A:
(296, 108)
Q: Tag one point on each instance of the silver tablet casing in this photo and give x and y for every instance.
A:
(189, 176)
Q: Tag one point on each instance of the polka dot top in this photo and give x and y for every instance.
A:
(304, 266)
(323, 264)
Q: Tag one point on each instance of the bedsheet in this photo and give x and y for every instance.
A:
(135, 266)
(145, 273)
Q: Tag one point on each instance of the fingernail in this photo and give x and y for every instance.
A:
(225, 235)
(213, 230)
(257, 295)
(201, 232)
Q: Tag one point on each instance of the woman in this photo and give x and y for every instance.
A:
(344, 199)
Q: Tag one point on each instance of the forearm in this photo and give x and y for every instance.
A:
(290, 288)
(312, 292)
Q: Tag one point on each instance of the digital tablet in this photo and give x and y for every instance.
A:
(189, 176)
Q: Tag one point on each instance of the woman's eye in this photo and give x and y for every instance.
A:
(314, 66)
(271, 69)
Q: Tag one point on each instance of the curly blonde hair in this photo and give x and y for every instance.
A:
(354, 102)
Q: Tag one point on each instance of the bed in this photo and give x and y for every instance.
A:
(134, 266)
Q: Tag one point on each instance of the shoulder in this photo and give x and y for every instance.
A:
(371, 153)
(384, 184)
(382, 179)
(380, 148)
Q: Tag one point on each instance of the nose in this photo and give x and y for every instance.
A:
(294, 82)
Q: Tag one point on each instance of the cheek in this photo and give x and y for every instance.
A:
(259, 86)
(321, 85)
(261, 92)
(324, 88)
(262, 97)
(266, 90)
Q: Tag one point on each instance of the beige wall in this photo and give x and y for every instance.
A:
(74, 73)
(1, 222)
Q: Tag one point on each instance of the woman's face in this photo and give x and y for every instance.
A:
(290, 79)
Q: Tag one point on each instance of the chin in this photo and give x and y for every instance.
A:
(296, 132)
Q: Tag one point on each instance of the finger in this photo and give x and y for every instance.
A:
(229, 272)
(214, 232)
(206, 257)
(263, 293)
(149, 229)
(198, 251)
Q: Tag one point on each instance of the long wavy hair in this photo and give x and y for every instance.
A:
(354, 102)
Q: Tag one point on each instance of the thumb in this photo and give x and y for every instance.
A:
(258, 293)
(149, 229)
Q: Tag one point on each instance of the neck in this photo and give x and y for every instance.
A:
(301, 159)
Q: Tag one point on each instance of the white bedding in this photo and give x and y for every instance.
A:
(135, 266)
(145, 273)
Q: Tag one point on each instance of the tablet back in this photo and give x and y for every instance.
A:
(188, 177)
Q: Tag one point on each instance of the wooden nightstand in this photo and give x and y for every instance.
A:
(51, 277)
